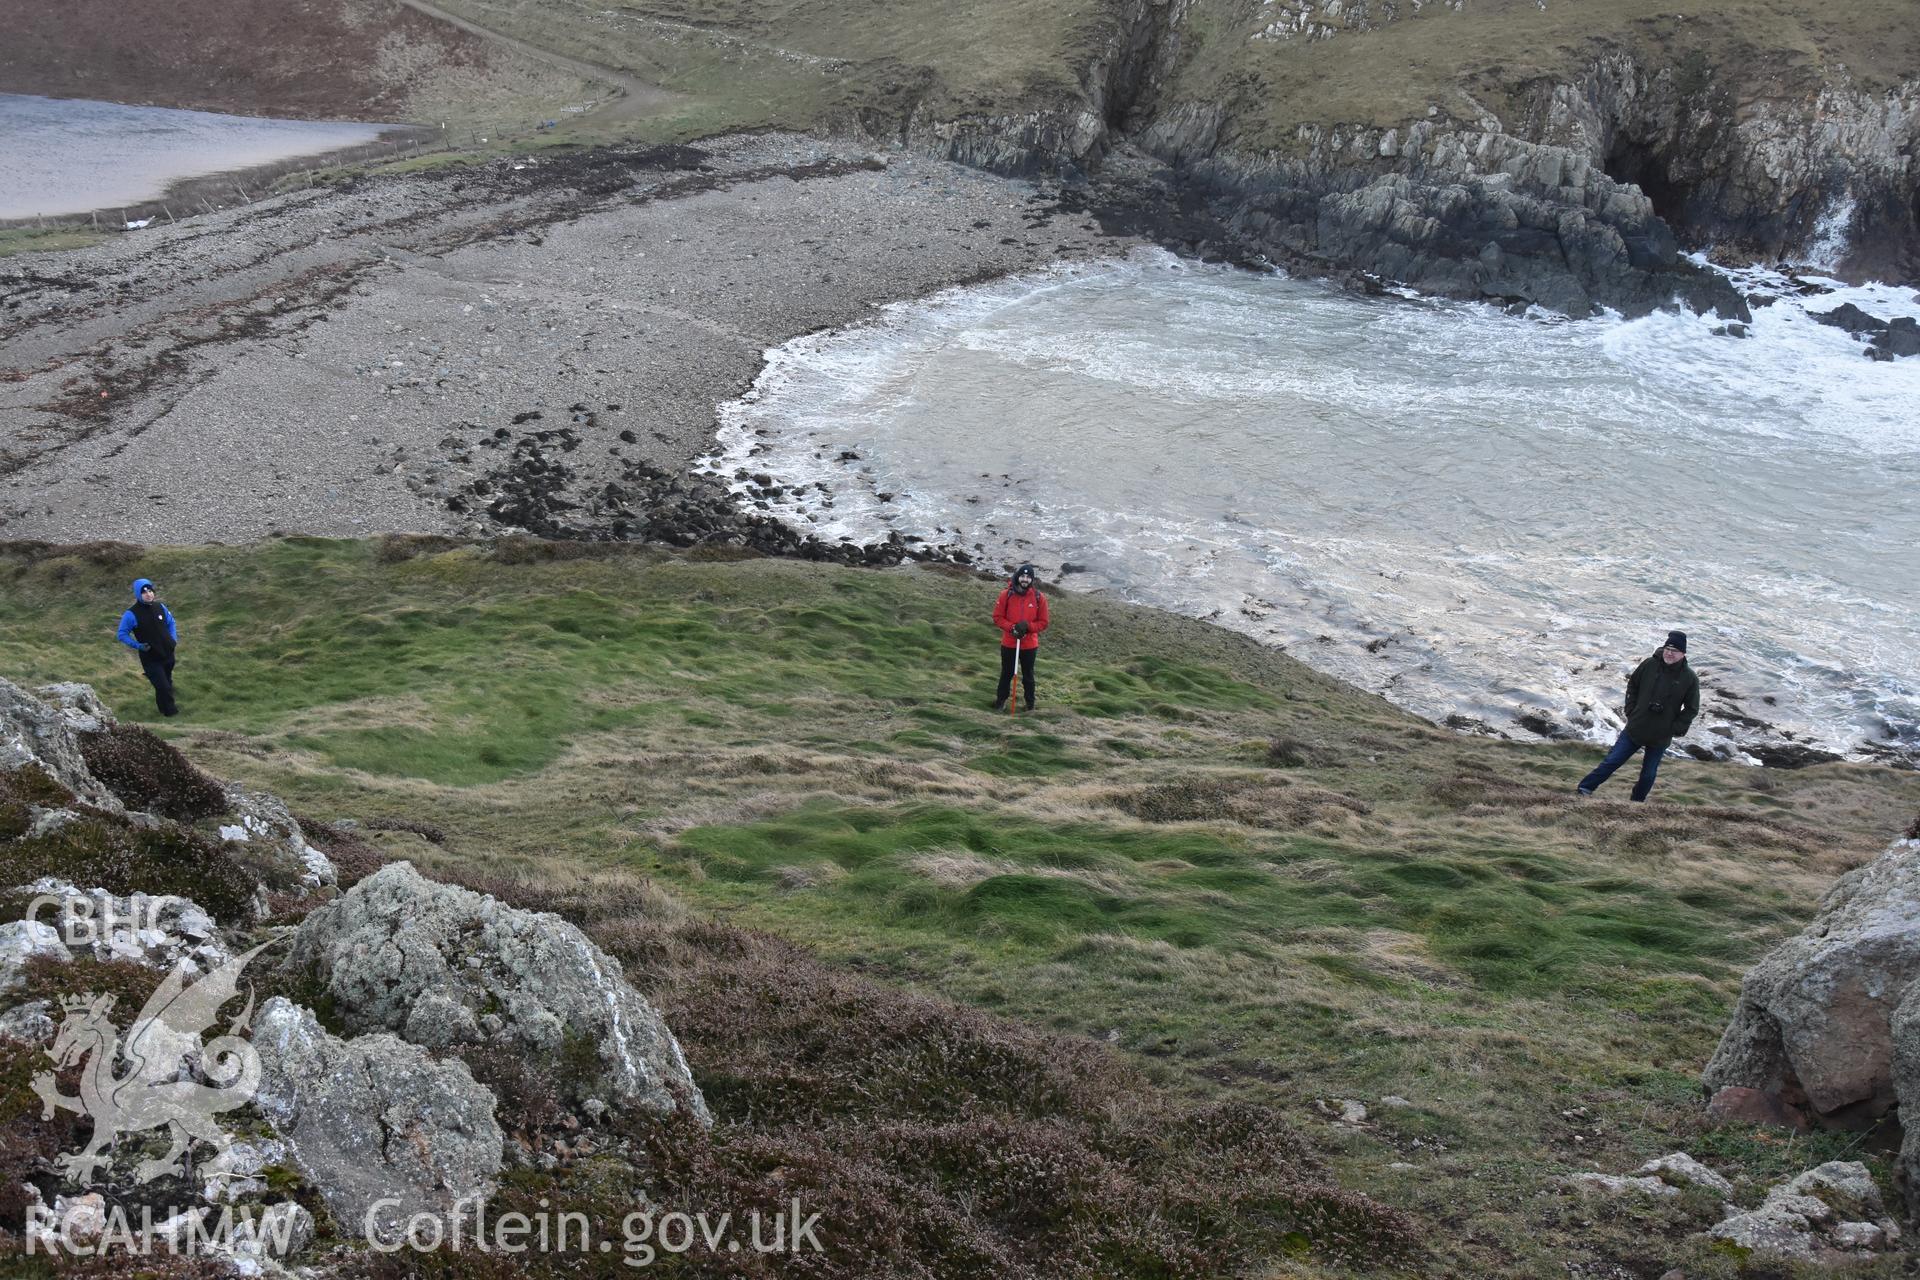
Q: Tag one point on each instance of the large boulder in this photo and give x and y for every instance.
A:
(1901, 338)
(442, 966)
(1815, 1016)
(1849, 317)
(382, 1129)
(43, 730)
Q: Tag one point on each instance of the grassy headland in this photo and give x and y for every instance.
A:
(1258, 883)
(758, 63)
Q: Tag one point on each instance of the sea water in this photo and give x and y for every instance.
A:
(1487, 518)
(71, 155)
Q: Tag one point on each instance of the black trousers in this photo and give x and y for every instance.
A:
(160, 674)
(1006, 673)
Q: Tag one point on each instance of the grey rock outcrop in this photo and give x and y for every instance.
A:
(30, 1023)
(157, 930)
(78, 706)
(1771, 1229)
(279, 1232)
(1664, 1178)
(21, 941)
(1469, 214)
(274, 847)
(442, 965)
(1615, 1185)
(238, 1170)
(1767, 171)
(382, 1129)
(36, 731)
(1849, 318)
(1901, 337)
(1815, 1015)
(1844, 1186)
(1831, 1213)
(1681, 1169)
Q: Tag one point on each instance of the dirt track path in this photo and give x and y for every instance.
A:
(635, 98)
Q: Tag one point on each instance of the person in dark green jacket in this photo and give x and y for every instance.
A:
(1663, 696)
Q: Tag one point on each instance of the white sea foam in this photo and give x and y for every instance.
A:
(1473, 513)
(1828, 245)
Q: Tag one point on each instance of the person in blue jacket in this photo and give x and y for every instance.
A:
(148, 629)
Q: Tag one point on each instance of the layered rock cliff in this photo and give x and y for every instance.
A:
(1572, 173)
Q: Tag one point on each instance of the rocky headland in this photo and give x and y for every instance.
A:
(1480, 150)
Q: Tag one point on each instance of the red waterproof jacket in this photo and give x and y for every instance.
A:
(1030, 608)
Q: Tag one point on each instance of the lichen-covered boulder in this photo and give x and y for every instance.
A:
(382, 1129)
(78, 706)
(1815, 1015)
(442, 965)
(35, 731)
(1771, 1229)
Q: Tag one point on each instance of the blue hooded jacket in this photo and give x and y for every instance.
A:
(128, 621)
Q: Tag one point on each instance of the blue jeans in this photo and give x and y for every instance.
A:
(1649, 765)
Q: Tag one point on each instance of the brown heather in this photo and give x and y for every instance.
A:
(149, 774)
(934, 1141)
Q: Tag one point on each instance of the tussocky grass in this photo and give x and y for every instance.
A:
(1256, 882)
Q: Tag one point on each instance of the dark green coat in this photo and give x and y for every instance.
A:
(1662, 701)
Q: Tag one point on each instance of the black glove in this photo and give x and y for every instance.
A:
(145, 647)
(1019, 630)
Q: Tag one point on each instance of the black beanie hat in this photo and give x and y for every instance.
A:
(1677, 640)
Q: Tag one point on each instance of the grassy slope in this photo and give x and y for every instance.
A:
(358, 59)
(746, 64)
(1391, 74)
(806, 750)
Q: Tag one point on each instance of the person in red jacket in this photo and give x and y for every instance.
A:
(1021, 615)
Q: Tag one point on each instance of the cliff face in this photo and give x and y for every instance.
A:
(1825, 173)
(1572, 176)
